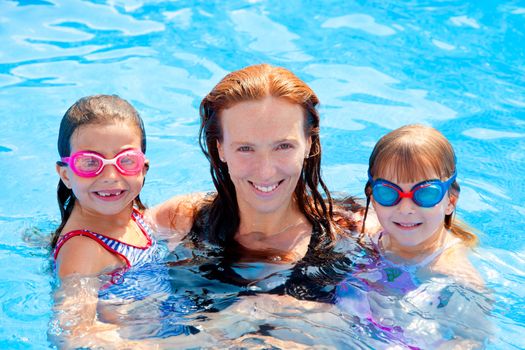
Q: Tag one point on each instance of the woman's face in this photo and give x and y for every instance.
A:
(264, 146)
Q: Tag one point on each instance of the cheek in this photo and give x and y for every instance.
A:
(292, 163)
(382, 213)
(435, 214)
(78, 186)
(140, 179)
(239, 166)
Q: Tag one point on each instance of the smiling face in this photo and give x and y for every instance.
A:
(264, 145)
(110, 192)
(410, 226)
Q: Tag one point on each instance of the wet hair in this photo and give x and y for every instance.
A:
(414, 152)
(91, 110)
(251, 84)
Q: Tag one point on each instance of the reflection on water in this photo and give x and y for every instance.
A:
(186, 302)
(455, 65)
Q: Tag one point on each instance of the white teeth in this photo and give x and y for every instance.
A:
(105, 194)
(407, 225)
(266, 189)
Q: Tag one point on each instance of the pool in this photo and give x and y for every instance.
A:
(376, 65)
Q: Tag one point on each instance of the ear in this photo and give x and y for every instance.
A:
(368, 190)
(308, 147)
(221, 152)
(146, 167)
(64, 176)
(451, 206)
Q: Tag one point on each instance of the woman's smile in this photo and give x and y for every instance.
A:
(266, 188)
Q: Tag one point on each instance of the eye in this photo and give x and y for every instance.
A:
(244, 149)
(285, 146)
(128, 160)
(87, 162)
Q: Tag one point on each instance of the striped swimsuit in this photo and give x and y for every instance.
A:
(132, 255)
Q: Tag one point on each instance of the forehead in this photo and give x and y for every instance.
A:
(267, 119)
(398, 170)
(107, 138)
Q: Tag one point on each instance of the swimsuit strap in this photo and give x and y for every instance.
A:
(130, 253)
(94, 236)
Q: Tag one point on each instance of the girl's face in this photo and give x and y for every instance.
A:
(264, 146)
(410, 226)
(109, 192)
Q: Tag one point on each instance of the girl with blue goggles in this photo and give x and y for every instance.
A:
(419, 240)
(417, 225)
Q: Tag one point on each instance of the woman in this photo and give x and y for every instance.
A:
(272, 217)
(260, 133)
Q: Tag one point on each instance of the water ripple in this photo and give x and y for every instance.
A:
(35, 32)
(268, 36)
(5, 149)
(336, 84)
(359, 21)
(488, 134)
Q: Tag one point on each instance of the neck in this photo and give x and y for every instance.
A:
(99, 221)
(286, 231)
(269, 224)
(415, 253)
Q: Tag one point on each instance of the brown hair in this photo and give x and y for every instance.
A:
(249, 84)
(98, 109)
(413, 152)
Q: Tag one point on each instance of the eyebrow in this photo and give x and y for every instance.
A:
(247, 143)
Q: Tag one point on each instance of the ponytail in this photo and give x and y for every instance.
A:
(456, 226)
(138, 203)
(66, 203)
(461, 230)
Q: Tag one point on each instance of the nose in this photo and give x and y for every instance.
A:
(109, 173)
(265, 166)
(406, 206)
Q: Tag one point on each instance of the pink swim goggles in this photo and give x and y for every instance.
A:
(90, 164)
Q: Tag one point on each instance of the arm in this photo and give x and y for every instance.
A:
(173, 219)
(349, 214)
(75, 323)
(80, 263)
(466, 302)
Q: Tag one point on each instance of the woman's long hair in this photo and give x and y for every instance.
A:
(251, 84)
(89, 110)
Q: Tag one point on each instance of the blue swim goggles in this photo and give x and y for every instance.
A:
(426, 194)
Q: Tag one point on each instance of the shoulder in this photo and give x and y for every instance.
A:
(353, 218)
(84, 256)
(454, 262)
(348, 213)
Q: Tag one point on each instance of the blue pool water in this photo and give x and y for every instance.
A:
(456, 65)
